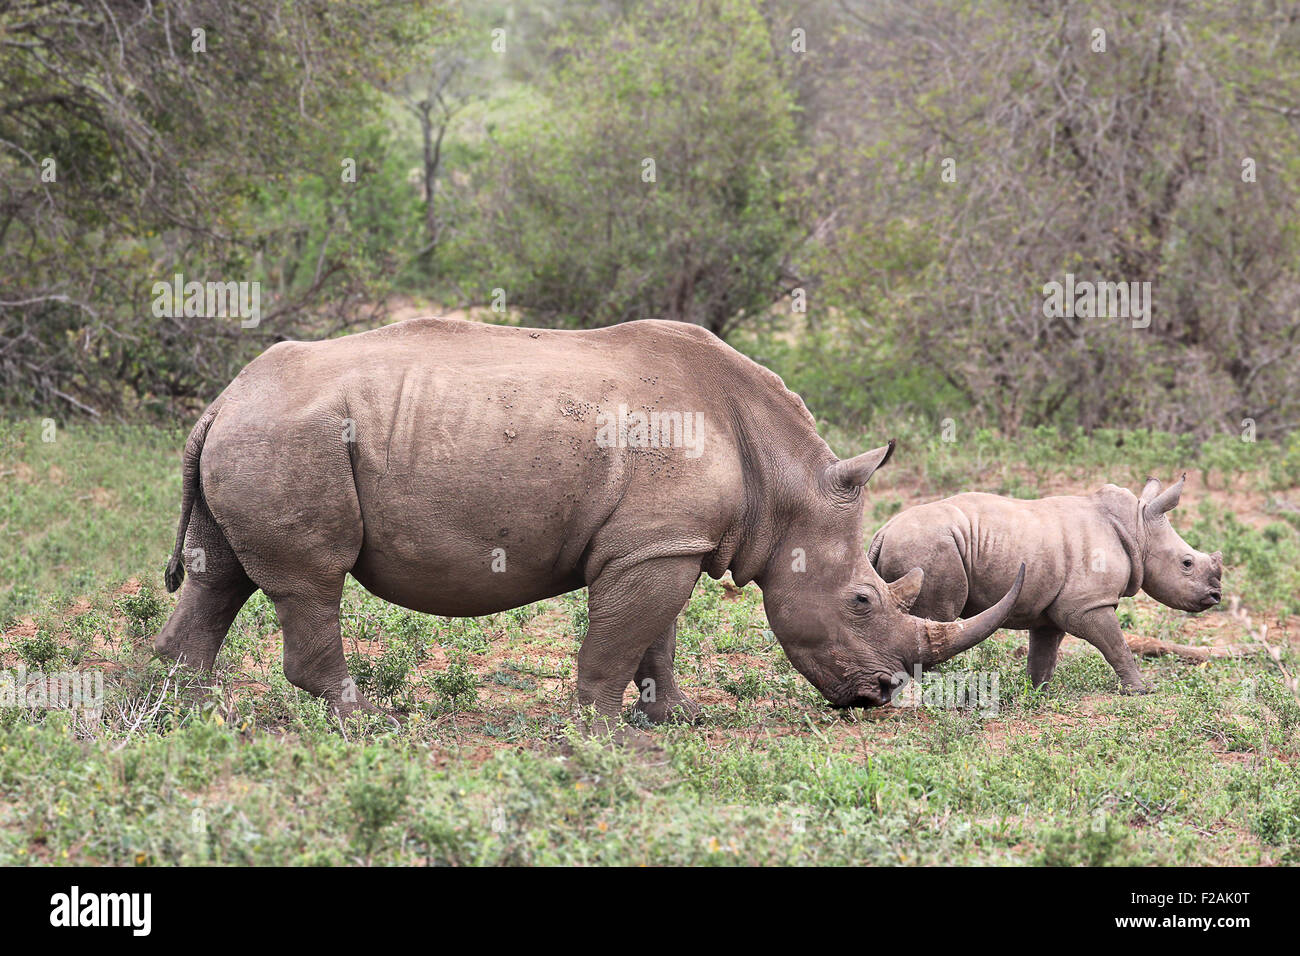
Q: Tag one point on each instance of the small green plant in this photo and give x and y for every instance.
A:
(386, 677)
(505, 678)
(457, 686)
(578, 615)
(84, 628)
(466, 635)
(747, 685)
(1277, 821)
(143, 611)
(39, 649)
(522, 615)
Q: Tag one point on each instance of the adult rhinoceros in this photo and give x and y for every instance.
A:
(463, 469)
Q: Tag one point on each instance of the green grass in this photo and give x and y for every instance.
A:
(487, 766)
(96, 504)
(1201, 772)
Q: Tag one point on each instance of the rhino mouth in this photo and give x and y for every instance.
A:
(1212, 598)
(869, 696)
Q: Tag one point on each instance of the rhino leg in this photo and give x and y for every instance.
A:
(313, 647)
(661, 699)
(214, 590)
(629, 608)
(1044, 644)
(288, 504)
(1100, 628)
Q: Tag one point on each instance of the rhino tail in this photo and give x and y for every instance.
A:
(175, 572)
(874, 551)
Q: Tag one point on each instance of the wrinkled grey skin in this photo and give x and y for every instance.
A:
(1083, 554)
(475, 444)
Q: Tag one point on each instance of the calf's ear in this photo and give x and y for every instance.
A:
(1149, 490)
(1167, 500)
(907, 588)
(854, 472)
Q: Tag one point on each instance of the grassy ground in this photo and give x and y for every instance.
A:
(487, 767)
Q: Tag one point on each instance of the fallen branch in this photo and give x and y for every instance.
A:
(1151, 647)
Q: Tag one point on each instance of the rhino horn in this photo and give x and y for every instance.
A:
(907, 588)
(1149, 490)
(1167, 500)
(947, 639)
(854, 472)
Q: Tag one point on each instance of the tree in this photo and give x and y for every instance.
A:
(434, 94)
(1121, 141)
(656, 181)
(138, 141)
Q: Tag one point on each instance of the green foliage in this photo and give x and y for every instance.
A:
(1068, 776)
(143, 610)
(1262, 563)
(1100, 844)
(386, 678)
(1277, 820)
(562, 217)
(457, 685)
(97, 503)
(376, 794)
(167, 160)
(465, 635)
(85, 628)
(747, 685)
(38, 650)
(848, 379)
(981, 167)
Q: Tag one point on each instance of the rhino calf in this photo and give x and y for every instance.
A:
(1083, 554)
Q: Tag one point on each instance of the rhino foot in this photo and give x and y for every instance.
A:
(676, 709)
(345, 709)
(1135, 689)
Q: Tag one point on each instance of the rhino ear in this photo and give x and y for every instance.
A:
(1167, 500)
(854, 472)
(907, 588)
(1149, 490)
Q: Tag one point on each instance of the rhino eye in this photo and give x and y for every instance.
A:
(861, 599)
(1187, 563)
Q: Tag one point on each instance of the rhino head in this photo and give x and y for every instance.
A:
(1173, 572)
(842, 627)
